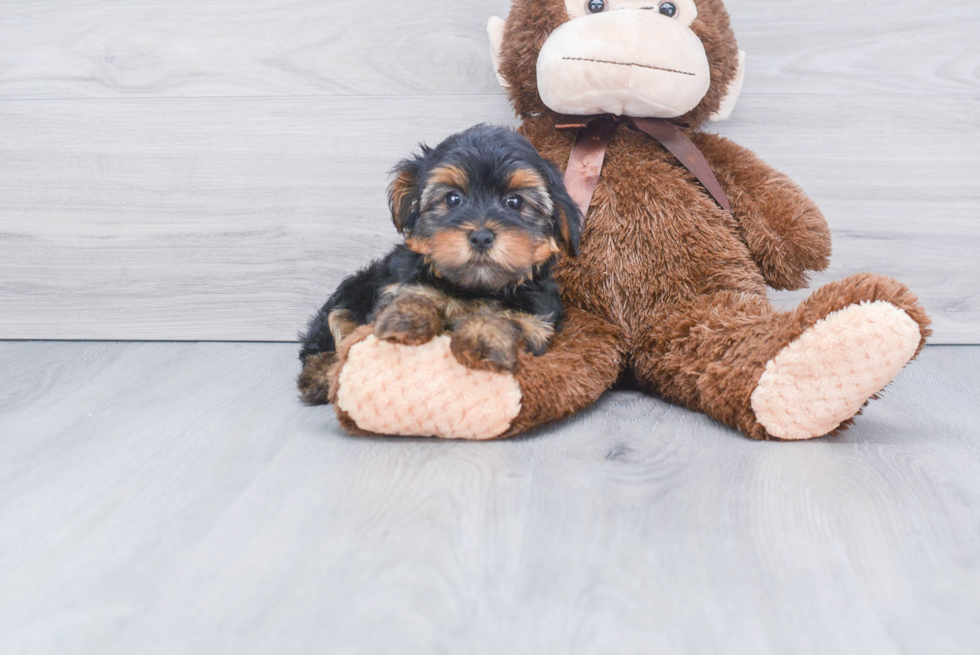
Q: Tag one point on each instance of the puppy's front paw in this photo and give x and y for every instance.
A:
(409, 320)
(535, 332)
(487, 343)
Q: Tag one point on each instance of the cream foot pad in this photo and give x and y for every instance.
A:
(824, 377)
(423, 391)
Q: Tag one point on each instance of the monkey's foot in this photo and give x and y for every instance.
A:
(395, 389)
(823, 378)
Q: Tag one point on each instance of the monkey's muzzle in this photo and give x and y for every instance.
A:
(625, 62)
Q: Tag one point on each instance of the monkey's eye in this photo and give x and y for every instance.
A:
(596, 6)
(453, 199)
(515, 202)
(668, 9)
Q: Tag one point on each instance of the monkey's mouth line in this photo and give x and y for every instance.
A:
(619, 63)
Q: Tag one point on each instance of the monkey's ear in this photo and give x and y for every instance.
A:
(403, 194)
(734, 91)
(566, 216)
(495, 30)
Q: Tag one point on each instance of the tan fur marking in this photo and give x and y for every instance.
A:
(459, 309)
(341, 323)
(450, 176)
(437, 297)
(545, 250)
(451, 248)
(525, 178)
(400, 198)
(456, 310)
(516, 251)
(421, 246)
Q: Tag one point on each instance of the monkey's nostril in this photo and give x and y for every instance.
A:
(482, 240)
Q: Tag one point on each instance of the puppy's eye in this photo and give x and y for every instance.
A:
(668, 9)
(596, 6)
(454, 199)
(515, 202)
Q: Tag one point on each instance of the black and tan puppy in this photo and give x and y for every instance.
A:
(483, 216)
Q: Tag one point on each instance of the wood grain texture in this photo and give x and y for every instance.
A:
(188, 171)
(174, 48)
(233, 219)
(166, 48)
(176, 498)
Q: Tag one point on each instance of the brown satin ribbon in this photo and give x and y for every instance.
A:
(589, 153)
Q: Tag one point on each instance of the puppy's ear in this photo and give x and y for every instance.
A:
(404, 194)
(566, 217)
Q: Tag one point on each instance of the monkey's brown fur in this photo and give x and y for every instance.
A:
(674, 287)
(668, 285)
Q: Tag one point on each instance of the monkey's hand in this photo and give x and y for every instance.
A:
(783, 229)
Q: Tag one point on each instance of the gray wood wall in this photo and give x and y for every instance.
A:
(182, 170)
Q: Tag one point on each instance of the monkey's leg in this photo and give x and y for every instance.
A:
(583, 362)
(385, 388)
(789, 375)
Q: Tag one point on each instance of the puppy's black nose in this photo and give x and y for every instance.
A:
(482, 240)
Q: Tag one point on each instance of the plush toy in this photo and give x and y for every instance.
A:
(684, 231)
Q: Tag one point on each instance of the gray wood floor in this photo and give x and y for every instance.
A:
(179, 170)
(176, 498)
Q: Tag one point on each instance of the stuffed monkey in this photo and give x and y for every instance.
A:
(668, 285)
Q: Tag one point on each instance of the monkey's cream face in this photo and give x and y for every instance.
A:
(625, 57)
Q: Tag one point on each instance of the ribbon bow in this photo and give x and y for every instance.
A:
(589, 153)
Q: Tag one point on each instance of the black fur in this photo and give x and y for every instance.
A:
(487, 155)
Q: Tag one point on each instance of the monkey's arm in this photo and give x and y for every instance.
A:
(783, 229)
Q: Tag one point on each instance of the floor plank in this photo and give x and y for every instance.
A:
(232, 219)
(177, 498)
(169, 48)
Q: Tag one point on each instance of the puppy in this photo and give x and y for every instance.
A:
(483, 216)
